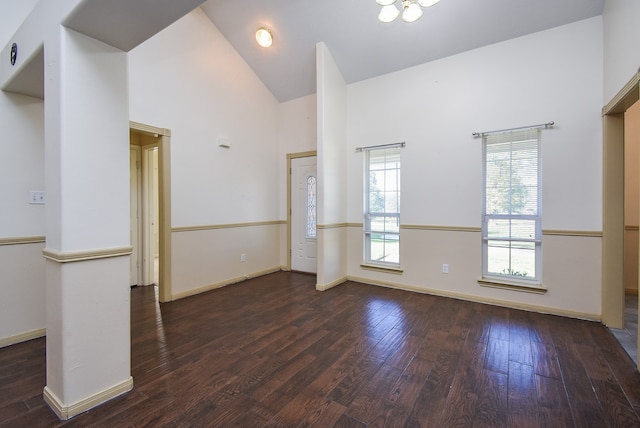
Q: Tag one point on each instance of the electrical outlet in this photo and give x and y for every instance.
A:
(445, 268)
(243, 257)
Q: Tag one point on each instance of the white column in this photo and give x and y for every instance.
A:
(87, 222)
(332, 175)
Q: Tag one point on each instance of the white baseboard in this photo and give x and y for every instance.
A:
(67, 412)
(478, 299)
(221, 284)
(332, 284)
(22, 337)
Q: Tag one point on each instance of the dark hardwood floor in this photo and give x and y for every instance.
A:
(273, 352)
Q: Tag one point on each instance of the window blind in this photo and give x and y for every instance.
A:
(512, 205)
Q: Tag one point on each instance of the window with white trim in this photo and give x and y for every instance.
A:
(511, 205)
(382, 207)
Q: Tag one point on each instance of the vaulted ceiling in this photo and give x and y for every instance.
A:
(362, 47)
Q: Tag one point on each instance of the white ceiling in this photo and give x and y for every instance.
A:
(362, 47)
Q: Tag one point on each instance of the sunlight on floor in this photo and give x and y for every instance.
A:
(156, 270)
(628, 336)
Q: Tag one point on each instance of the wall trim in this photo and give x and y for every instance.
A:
(224, 283)
(331, 226)
(79, 256)
(227, 226)
(578, 233)
(384, 269)
(549, 232)
(332, 284)
(148, 129)
(19, 240)
(67, 412)
(22, 337)
(306, 154)
(510, 285)
(477, 299)
(624, 98)
(441, 228)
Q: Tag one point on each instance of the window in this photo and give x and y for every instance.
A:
(511, 222)
(382, 207)
(310, 205)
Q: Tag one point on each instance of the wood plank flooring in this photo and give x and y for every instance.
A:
(273, 352)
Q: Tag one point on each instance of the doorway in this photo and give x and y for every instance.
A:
(613, 233)
(151, 208)
(301, 200)
(144, 209)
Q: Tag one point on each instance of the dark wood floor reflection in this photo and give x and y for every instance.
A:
(274, 352)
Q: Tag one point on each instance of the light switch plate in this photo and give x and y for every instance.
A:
(36, 197)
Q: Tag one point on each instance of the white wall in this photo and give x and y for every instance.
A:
(87, 156)
(332, 133)
(21, 165)
(621, 53)
(21, 147)
(190, 80)
(21, 169)
(22, 307)
(297, 126)
(297, 133)
(332, 142)
(13, 14)
(552, 75)
(435, 108)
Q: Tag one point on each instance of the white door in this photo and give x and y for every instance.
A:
(303, 214)
(134, 168)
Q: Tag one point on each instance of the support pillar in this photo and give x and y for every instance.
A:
(87, 223)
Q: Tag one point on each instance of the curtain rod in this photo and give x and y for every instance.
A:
(542, 125)
(381, 146)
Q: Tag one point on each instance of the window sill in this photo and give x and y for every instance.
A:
(387, 269)
(512, 285)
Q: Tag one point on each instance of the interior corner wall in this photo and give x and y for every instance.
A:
(621, 31)
(332, 143)
(189, 79)
(297, 133)
(22, 306)
(435, 108)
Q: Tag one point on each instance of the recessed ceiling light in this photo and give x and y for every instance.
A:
(264, 37)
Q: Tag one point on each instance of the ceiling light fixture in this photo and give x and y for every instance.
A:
(264, 37)
(411, 9)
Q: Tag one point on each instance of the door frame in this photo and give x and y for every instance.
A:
(150, 204)
(136, 228)
(613, 203)
(164, 204)
(289, 208)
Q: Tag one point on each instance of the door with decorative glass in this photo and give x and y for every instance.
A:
(303, 214)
